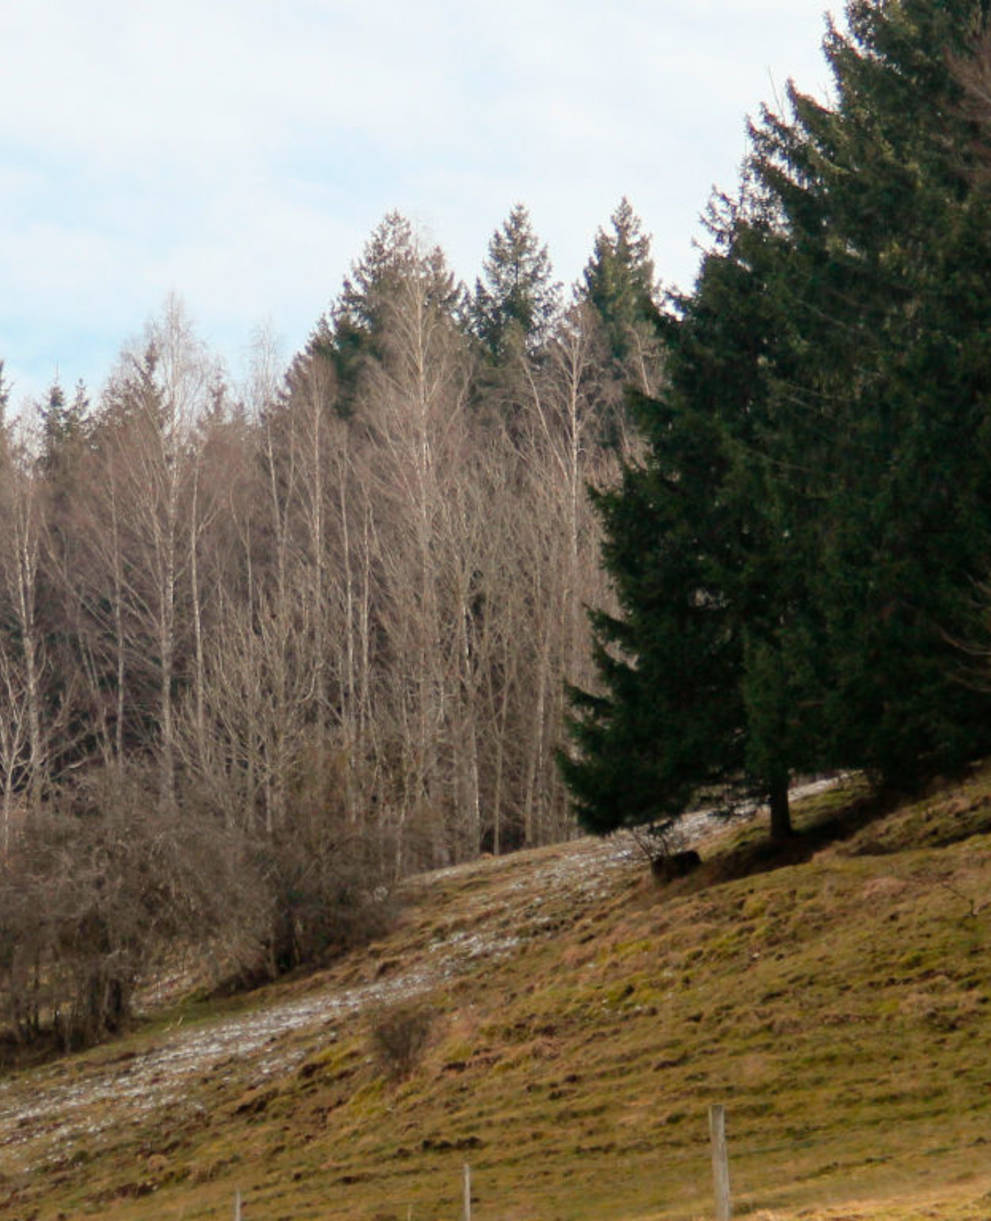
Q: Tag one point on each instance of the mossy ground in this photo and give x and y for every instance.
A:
(836, 997)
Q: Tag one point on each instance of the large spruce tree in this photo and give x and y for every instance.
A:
(800, 551)
(887, 254)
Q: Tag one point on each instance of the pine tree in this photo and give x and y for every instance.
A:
(665, 722)
(63, 428)
(350, 335)
(689, 548)
(514, 306)
(618, 282)
(833, 364)
(888, 254)
(619, 299)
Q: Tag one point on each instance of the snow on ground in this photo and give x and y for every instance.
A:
(43, 1117)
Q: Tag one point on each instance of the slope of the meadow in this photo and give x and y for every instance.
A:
(581, 1018)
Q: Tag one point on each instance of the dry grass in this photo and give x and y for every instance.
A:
(836, 999)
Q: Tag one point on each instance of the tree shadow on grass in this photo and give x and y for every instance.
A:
(759, 853)
(864, 826)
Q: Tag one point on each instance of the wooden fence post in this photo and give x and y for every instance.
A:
(720, 1161)
(237, 1206)
(467, 1216)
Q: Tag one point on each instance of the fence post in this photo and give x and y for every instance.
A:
(467, 1216)
(237, 1206)
(720, 1161)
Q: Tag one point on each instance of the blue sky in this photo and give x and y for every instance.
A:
(239, 152)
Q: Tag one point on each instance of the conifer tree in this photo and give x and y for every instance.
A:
(619, 297)
(885, 281)
(515, 303)
(350, 336)
(832, 367)
(618, 281)
(63, 427)
(683, 545)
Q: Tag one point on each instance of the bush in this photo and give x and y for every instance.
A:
(399, 1036)
(94, 895)
(324, 892)
(100, 891)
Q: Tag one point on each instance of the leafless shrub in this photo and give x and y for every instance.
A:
(317, 883)
(94, 893)
(399, 1036)
(321, 893)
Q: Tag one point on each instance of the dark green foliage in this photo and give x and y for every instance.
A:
(516, 302)
(618, 281)
(889, 248)
(682, 546)
(819, 565)
(64, 427)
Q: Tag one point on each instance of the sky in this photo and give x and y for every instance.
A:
(238, 153)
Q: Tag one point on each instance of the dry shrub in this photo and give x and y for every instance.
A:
(399, 1036)
(100, 891)
(93, 892)
(318, 882)
(325, 894)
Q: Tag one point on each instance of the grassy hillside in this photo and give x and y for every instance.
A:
(581, 1020)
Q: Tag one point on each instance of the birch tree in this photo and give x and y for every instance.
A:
(144, 535)
(22, 528)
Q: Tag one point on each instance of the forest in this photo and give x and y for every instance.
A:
(265, 652)
(485, 565)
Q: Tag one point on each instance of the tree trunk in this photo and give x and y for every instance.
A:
(781, 828)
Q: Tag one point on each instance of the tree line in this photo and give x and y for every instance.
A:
(264, 651)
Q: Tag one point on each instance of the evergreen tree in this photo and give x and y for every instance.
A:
(351, 335)
(619, 297)
(515, 304)
(888, 255)
(618, 281)
(63, 429)
(665, 721)
(690, 551)
(833, 364)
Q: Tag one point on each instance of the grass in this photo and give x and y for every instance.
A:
(835, 996)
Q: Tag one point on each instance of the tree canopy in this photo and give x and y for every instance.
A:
(618, 280)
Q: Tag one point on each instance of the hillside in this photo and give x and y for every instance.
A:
(581, 1020)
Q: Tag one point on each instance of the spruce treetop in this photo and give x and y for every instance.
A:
(351, 334)
(516, 301)
(618, 279)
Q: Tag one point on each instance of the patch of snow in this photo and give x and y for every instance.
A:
(43, 1118)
